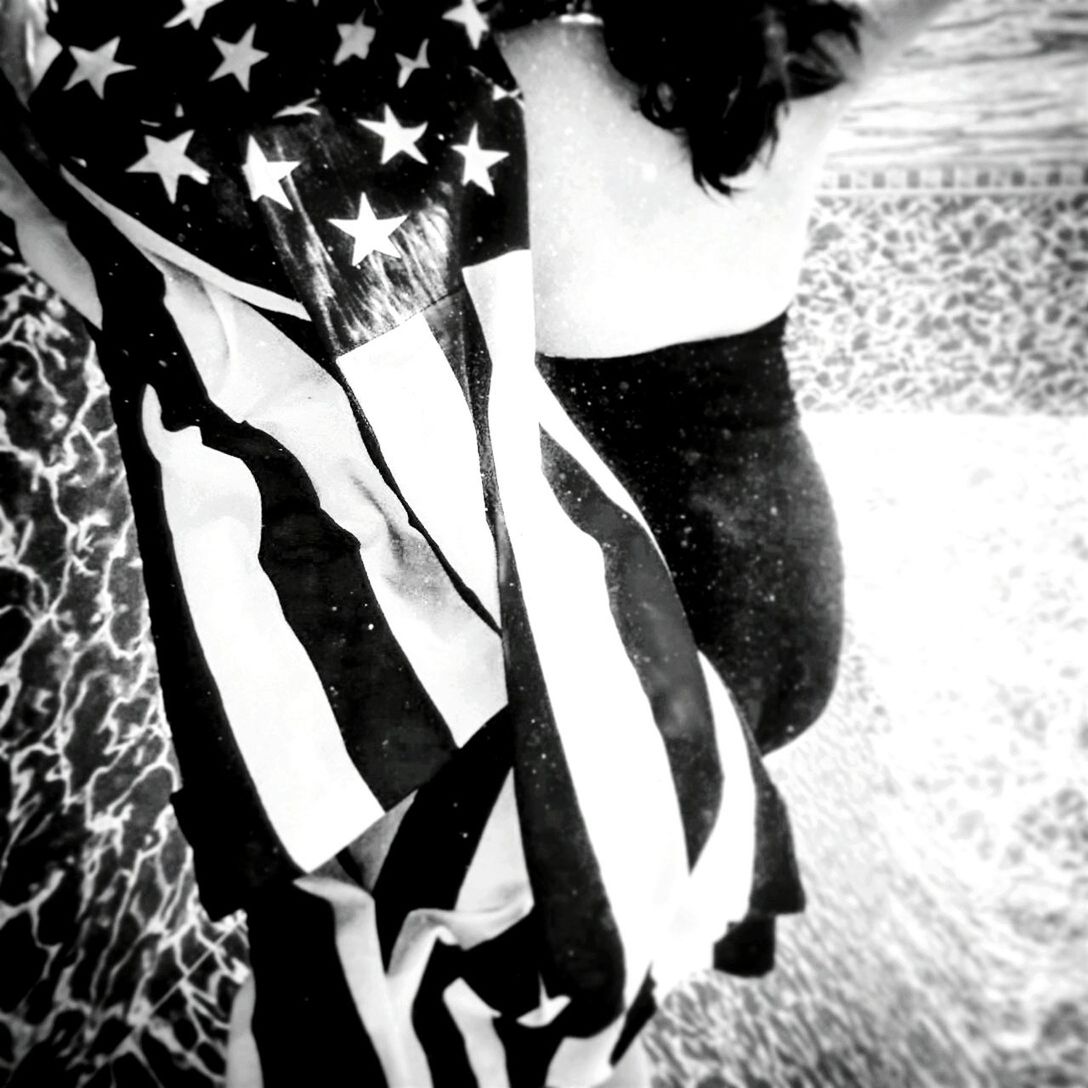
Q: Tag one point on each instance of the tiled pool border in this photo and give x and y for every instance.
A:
(958, 178)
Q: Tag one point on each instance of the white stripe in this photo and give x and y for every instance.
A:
(475, 1020)
(632, 818)
(148, 240)
(720, 887)
(255, 373)
(498, 875)
(561, 428)
(426, 433)
(384, 1003)
(384, 998)
(312, 793)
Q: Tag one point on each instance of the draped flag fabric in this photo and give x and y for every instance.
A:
(427, 675)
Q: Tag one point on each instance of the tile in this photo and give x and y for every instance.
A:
(964, 303)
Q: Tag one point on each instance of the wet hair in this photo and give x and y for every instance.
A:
(717, 72)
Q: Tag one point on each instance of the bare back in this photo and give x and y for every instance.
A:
(629, 253)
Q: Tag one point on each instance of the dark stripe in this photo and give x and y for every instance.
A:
(655, 633)
(435, 1027)
(505, 973)
(305, 1023)
(437, 837)
(457, 330)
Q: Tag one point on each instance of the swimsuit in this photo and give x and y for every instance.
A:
(705, 436)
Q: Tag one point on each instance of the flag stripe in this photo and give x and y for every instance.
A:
(555, 422)
(720, 888)
(428, 440)
(442, 1037)
(648, 614)
(443, 826)
(475, 1021)
(496, 875)
(304, 992)
(722, 879)
(383, 1004)
(274, 700)
(598, 703)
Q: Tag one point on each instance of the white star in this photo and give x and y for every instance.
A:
(478, 161)
(168, 160)
(470, 18)
(264, 177)
(355, 39)
(238, 58)
(410, 65)
(95, 66)
(192, 11)
(396, 139)
(371, 234)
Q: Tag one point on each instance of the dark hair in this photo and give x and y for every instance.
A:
(716, 71)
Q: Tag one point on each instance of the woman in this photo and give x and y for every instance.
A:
(398, 699)
(671, 252)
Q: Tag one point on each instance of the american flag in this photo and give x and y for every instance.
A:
(442, 725)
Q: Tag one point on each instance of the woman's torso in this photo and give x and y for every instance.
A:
(629, 253)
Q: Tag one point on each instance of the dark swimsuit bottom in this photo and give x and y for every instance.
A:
(705, 437)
